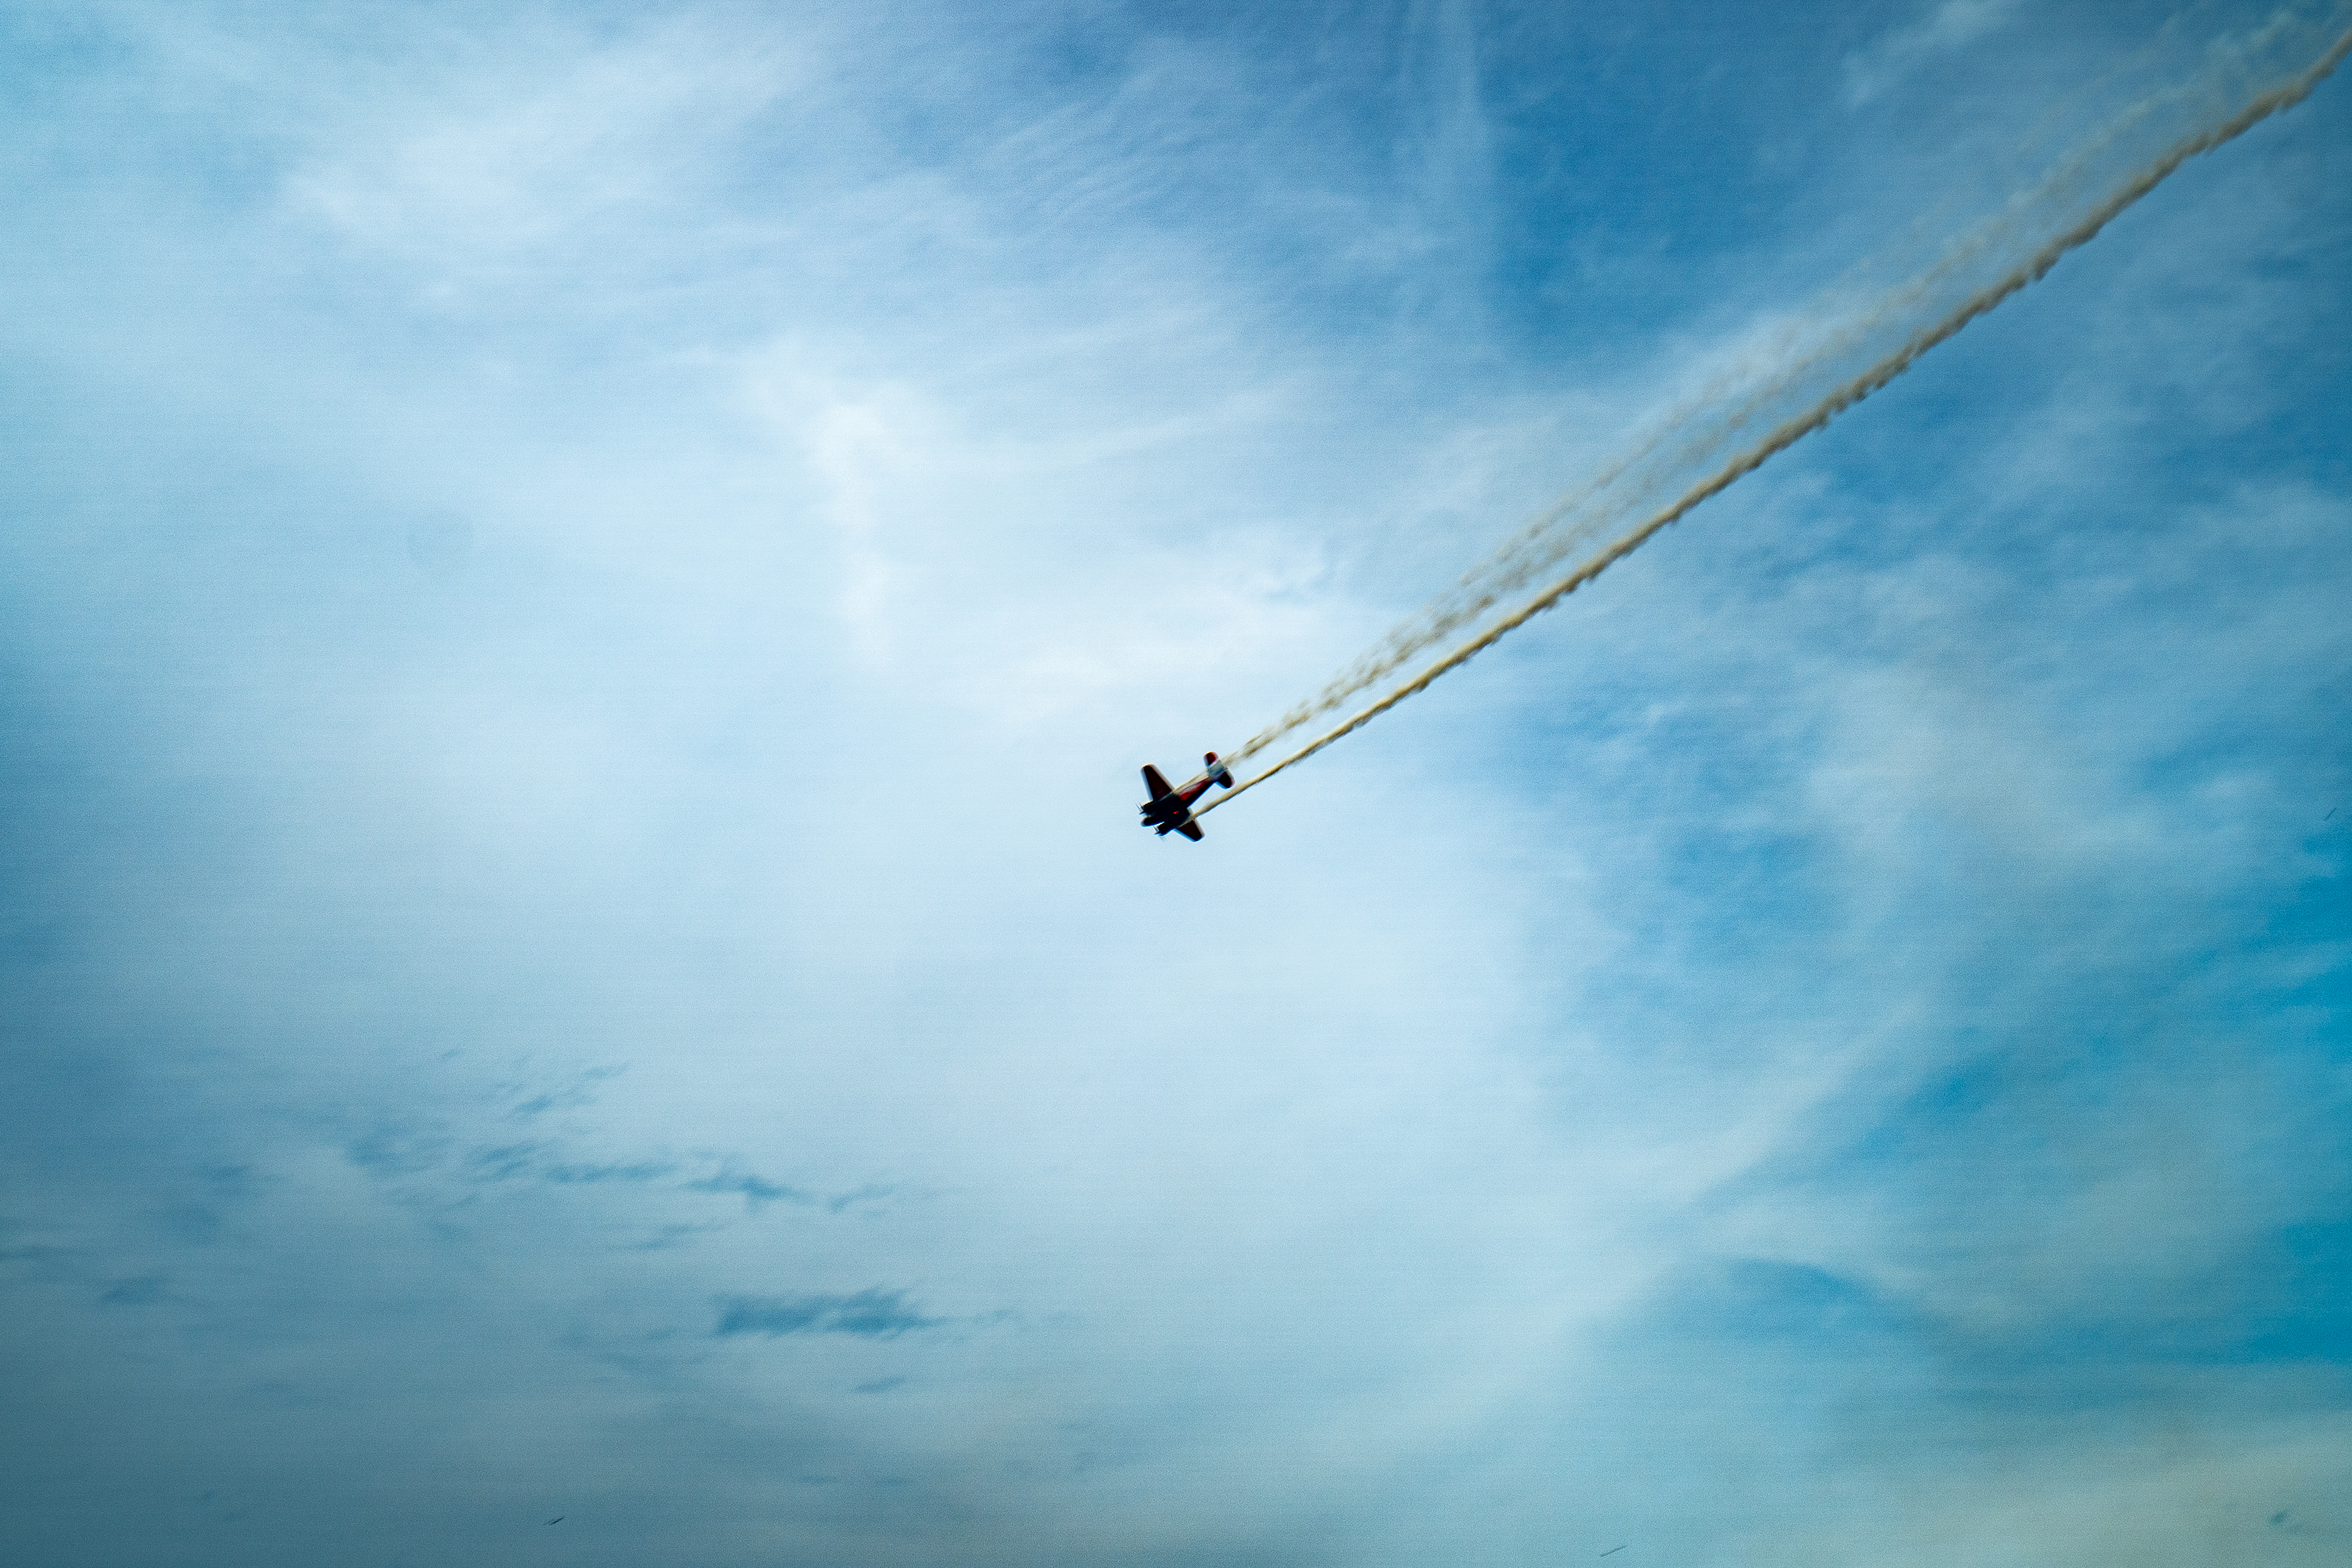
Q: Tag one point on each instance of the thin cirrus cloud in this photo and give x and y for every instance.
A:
(1875, 69)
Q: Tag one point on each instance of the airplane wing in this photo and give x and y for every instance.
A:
(1170, 808)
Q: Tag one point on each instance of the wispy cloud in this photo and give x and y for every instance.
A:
(639, 1172)
(1952, 24)
(872, 1314)
(469, 169)
(756, 1189)
(143, 1291)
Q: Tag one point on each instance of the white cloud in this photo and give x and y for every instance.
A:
(485, 153)
(1953, 24)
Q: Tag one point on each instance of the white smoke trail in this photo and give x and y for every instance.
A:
(1558, 532)
(1788, 371)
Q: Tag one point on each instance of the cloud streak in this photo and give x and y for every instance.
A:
(870, 1314)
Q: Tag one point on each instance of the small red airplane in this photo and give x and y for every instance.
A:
(1170, 810)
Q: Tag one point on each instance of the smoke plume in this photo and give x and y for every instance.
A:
(1846, 344)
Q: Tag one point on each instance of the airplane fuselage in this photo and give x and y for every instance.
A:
(1170, 810)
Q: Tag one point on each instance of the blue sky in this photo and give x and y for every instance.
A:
(582, 592)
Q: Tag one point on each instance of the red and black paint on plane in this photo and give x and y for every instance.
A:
(1170, 810)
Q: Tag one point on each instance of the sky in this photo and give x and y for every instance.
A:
(581, 590)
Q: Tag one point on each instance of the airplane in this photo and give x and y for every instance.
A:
(1170, 810)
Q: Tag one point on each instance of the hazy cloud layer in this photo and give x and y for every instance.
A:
(582, 592)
